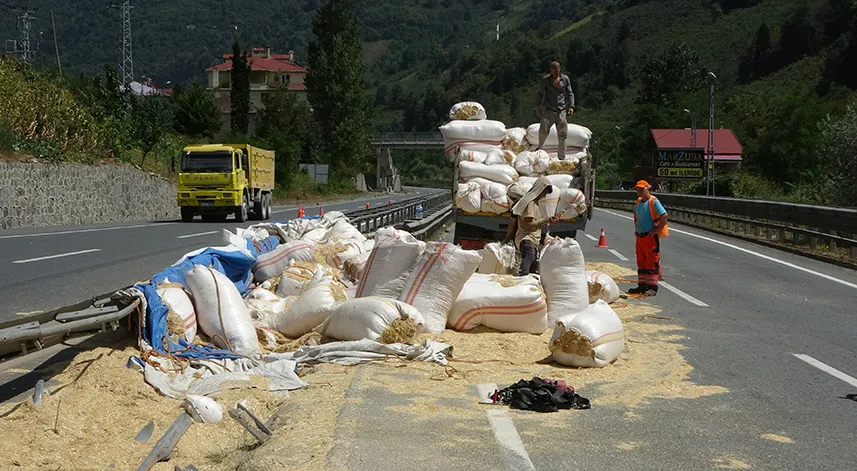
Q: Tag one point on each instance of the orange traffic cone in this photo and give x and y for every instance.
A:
(321, 211)
(389, 202)
(367, 205)
(602, 241)
(301, 212)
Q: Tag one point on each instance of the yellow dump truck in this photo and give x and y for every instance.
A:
(216, 180)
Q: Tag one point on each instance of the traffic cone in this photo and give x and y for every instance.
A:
(389, 202)
(367, 205)
(301, 212)
(602, 241)
(321, 211)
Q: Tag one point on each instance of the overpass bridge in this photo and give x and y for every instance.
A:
(387, 176)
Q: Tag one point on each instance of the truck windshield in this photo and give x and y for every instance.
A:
(215, 162)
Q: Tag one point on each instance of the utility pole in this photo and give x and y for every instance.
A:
(56, 45)
(713, 80)
(127, 50)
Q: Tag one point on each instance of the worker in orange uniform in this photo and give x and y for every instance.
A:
(650, 226)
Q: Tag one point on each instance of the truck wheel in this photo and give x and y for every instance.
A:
(241, 212)
(268, 201)
(259, 208)
(187, 214)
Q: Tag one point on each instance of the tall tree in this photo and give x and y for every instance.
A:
(152, 117)
(341, 108)
(287, 124)
(240, 93)
(756, 62)
(837, 151)
(677, 70)
(196, 113)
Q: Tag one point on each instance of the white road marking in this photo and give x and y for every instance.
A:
(682, 294)
(595, 239)
(57, 256)
(196, 235)
(827, 369)
(506, 434)
(81, 231)
(618, 255)
(757, 254)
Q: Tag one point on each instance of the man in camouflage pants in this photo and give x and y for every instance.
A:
(556, 102)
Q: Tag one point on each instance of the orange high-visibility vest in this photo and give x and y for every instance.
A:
(663, 232)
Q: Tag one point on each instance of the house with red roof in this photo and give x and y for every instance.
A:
(267, 71)
(727, 148)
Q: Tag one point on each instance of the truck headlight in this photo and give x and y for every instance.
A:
(227, 196)
(184, 195)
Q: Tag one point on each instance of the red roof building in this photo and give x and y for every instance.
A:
(727, 148)
(267, 72)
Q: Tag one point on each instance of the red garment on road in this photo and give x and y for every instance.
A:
(648, 260)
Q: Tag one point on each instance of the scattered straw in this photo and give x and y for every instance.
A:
(175, 324)
(573, 343)
(400, 331)
(322, 252)
(561, 167)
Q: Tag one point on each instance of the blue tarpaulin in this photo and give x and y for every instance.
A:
(235, 265)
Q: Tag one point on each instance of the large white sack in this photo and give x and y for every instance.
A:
(501, 302)
(371, 318)
(578, 136)
(548, 204)
(343, 232)
(517, 190)
(497, 259)
(177, 301)
(352, 249)
(505, 174)
(524, 163)
(471, 156)
(516, 140)
(594, 337)
(467, 110)
(500, 205)
(602, 286)
(262, 309)
(562, 273)
(468, 198)
(529, 180)
(495, 157)
(274, 262)
(390, 264)
(532, 163)
(483, 130)
(560, 181)
(318, 236)
(472, 146)
(355, 266)
(221, 312)
(571, 204)
(294, 278)
(437, 279)
(311, 308)
(494, 196)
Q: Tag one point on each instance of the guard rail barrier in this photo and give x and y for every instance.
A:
(828, 231)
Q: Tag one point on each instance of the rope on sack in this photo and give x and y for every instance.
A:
(219, 313)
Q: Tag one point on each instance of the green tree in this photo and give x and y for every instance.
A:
(836, 155)
(676, 70)
(196, 112)
(286, 123)
(341, 108)
(240, 93)
(756, 62)
(152, 119)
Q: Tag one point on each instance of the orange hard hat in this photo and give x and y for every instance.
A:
(642, 184)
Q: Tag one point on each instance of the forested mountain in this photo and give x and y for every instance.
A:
(783, 66)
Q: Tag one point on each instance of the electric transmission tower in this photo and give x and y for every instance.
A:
(127, 50)
(22, 47)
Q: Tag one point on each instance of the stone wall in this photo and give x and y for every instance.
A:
(37, 195)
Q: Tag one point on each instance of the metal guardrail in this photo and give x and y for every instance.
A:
(819, 227)
(36, 332)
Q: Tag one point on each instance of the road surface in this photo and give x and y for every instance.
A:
(772, 331)
(45, 268)
(777, 331)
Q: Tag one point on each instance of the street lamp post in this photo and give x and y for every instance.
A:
(710, 183)
(692, 127)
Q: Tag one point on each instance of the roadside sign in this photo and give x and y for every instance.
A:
(681, 164)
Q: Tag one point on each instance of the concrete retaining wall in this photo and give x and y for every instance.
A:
(37, 195)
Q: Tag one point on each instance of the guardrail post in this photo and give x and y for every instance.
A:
(854, 251)
(757, 231)
(813, 242)
(832, 247)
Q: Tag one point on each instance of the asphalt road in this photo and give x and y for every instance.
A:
(747, 312)
(45, 268)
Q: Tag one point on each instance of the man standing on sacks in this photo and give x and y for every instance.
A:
(556, 103)
(527, 225)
